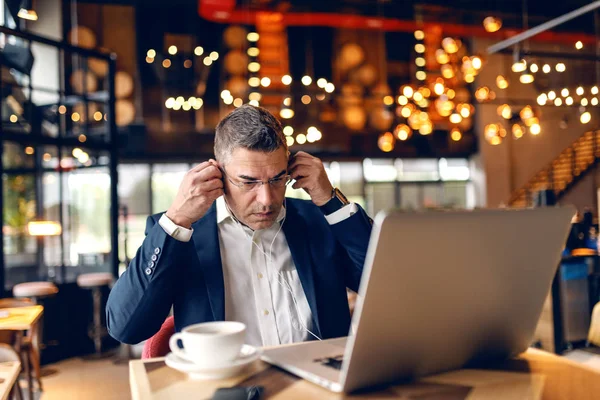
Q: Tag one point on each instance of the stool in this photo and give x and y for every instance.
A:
(35, 290)
(95, 281)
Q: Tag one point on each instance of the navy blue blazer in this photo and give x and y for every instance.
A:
(189, 275)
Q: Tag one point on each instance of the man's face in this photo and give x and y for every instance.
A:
(258, 208)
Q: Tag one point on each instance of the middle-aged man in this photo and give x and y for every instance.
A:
(233, 247)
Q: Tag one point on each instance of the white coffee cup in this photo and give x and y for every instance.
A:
(210, 343)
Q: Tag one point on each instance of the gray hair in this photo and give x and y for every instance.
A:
(248, 127)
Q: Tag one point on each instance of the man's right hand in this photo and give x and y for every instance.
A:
(201, 186)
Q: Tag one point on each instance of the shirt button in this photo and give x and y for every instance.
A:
(154, 257)
(260, 275)
(266, 312)
(157, 250)
(148, 271)
(150, 264)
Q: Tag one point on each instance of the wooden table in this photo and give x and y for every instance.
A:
(9, 372)
(20, 318)
(533, 375)
(24, 319)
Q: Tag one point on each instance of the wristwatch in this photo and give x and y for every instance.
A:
(338, 200)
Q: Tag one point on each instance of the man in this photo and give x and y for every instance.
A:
(232, 247)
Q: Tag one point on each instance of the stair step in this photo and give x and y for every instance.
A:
(570, 164)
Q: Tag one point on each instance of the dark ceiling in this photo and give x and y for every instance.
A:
(454, 11)
(389, 8)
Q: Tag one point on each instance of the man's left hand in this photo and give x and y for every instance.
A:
(310, 175)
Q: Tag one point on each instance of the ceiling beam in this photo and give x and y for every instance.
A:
(224, 11)
(542, 27)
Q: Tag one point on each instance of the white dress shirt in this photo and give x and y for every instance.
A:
(262, 287)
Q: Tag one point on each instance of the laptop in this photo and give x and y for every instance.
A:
(440, 290)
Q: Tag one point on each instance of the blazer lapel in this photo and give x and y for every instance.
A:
(296, 232)
(206, 242)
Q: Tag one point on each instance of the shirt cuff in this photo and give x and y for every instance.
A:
(343, 213)
(175, 231)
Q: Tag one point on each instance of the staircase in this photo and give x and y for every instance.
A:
(563, 172)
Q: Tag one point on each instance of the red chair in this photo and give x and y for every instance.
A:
(158, 345)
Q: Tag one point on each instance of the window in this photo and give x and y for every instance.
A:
(17, 156)
(416, 184)
(87, 219)
(19, 209)
(134, 188)
(351, 180)
(51, 244)
(166, 179)
(134, 199)
(68, 188)
(379, 170)
(381, 196)
(420, 169)
(454, 169)
(456, 195)
(410, 197)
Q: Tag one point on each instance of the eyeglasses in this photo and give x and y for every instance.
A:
(250, 186)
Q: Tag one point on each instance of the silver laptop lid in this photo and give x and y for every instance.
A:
(440, 289)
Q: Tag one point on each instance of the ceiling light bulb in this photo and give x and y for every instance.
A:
(519, 66)
(492, 24)
(265, 81)
(455, 134)
(585, 117)
(526, 79)
(542, 99)
(501, 82)
(455, 118)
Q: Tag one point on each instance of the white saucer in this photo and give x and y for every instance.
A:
(247, 355)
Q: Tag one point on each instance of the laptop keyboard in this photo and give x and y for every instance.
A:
(331, 362)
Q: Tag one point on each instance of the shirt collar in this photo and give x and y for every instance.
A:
(223, 213)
